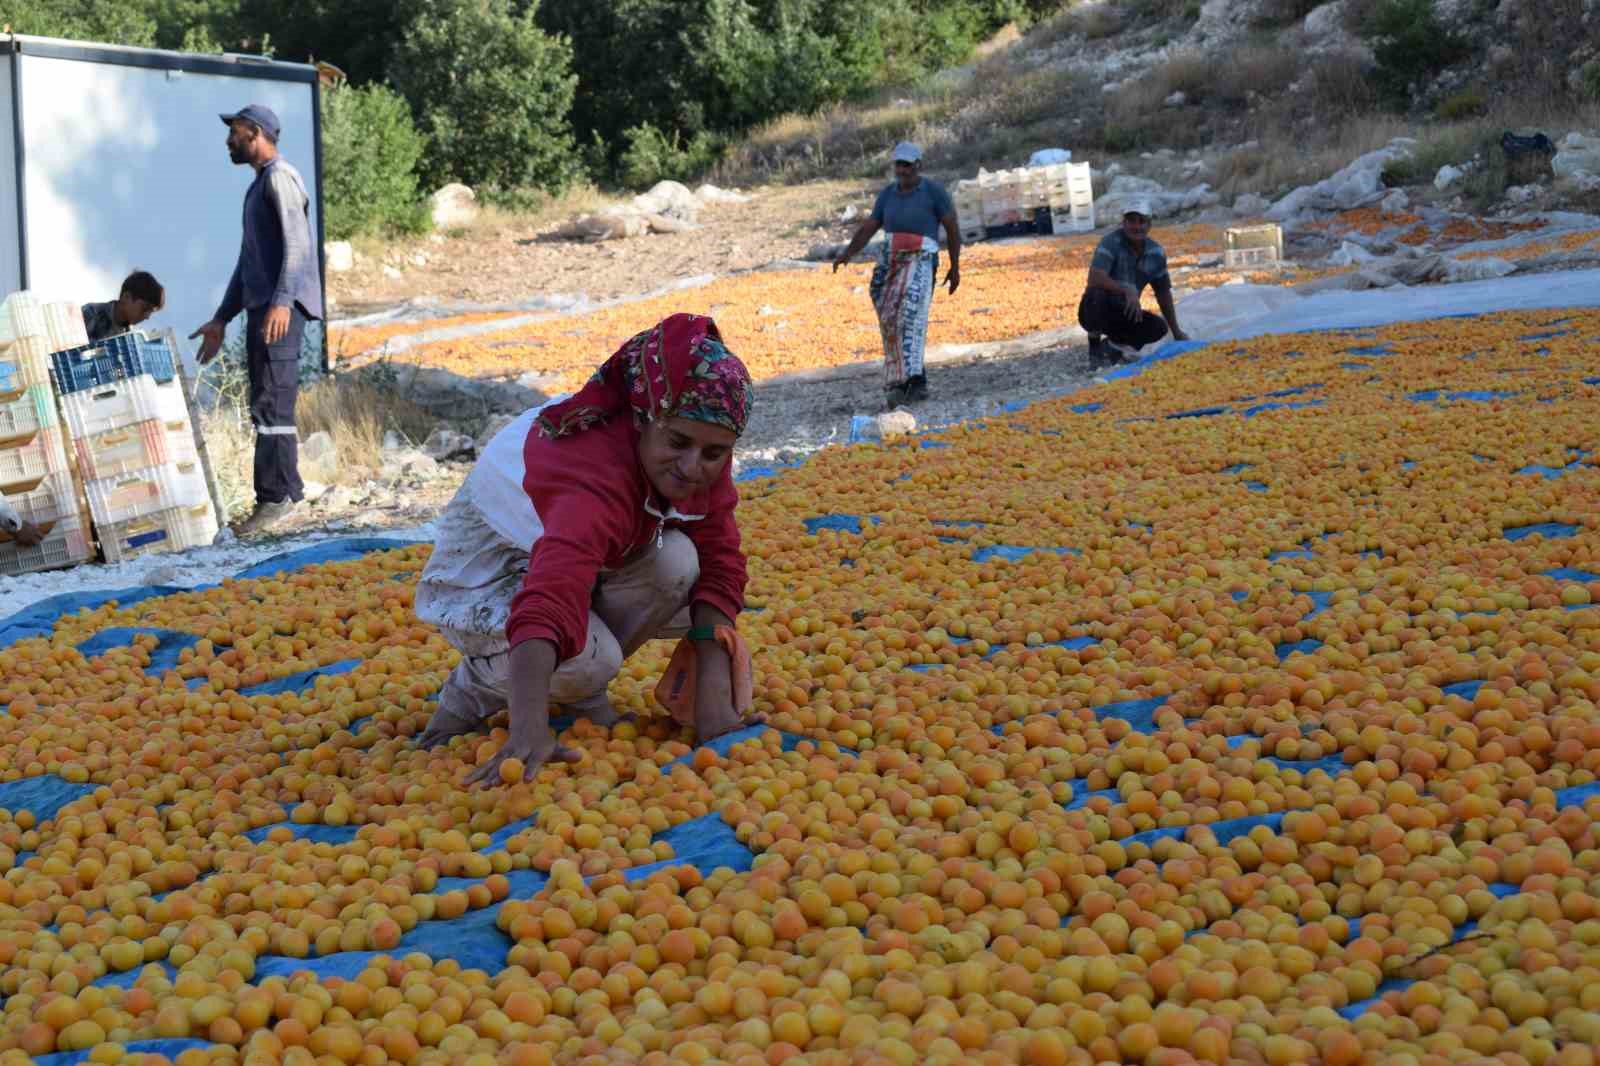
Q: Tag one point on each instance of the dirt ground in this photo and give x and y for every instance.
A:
(504, 263)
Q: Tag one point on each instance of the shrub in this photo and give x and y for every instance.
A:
(1590, 76)
(492, 93)
(370, 151)
(1462, 105)
(653, 156)
(1410, 45)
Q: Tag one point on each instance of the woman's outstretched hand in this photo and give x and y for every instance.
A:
(530, 753)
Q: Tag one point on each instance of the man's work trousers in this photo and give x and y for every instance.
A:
(274, 385)
(1102, 312)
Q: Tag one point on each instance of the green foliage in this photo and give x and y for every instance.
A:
(370, 151)
(107, 21)
(1591, 79)
(1468, 103)
(1410, 45)
(653, 156)
(491, 92)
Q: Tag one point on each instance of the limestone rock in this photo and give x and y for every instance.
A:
(669, 198)
(453, 205)
(896, 423)
(492, 427)
(339, 256)
(710, 194)
(1359, 183)
(445, 443)
(1448, 176)
(319, 457)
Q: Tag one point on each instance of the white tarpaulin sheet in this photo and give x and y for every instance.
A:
(1234, 312)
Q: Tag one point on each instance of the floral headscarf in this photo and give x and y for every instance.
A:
(677, 368)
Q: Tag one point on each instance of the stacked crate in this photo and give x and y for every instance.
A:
(123, 402)
(35, 450)
(1053, 199)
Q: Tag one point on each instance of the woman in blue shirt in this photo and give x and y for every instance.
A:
(910, 211)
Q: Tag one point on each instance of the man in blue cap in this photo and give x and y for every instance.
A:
(277, 283)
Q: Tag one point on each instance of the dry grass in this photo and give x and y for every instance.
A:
(357, 410)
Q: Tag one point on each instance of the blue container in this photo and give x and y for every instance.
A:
(113, 359)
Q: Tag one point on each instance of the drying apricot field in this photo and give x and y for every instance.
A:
(1242, 708)
(797, 319)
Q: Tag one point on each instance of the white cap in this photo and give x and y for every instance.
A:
(1139, 205)
(906, 152)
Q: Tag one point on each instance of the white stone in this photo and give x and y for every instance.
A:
(1045, 157)
(339, 256)
(1249, 205)
(1359, 183)
(668, 224)
(1177, 98)
(453, 205)
(668, 198)
(1447, 176)
(390, 272)
(1574, 140)
(418, 259)
(896, 423)
(850, 213)
(313, 490)
(1349, 254)
(319, 457)
(1326, 20)
(1395, 203)
(710, 194)
(395, 441)
(1571, 162)
(1521, 194)
(444, 443)
(495, 424)
(163, 575)
(1476, 269)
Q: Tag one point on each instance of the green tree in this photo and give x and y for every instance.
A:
(104, 21)
(492, 93)
(1410, 45)
(370, 151)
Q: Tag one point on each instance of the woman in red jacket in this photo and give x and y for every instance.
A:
(588, 527)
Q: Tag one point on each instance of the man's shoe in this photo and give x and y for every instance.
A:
(1097, 352)
(893, 397)
(1123, 353)
(264, 517)
(917, 389)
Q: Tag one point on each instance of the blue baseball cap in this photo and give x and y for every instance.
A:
(260, 116)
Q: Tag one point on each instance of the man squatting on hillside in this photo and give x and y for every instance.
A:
(1124, 263)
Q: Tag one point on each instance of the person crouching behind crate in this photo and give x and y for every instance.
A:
(1124, 263)
(588, 527)
(141, 296)
(278, 284)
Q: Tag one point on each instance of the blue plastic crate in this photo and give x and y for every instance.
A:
(113, 359)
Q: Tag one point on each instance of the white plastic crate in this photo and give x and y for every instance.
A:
(67, 544)
(24, 363)
(63, 325)
(55, 498)
(136, 447)
(21, 316)
(123, 403)
(1252, 246)
(23, 466)
(141, 492)
(163, 531)
(23, 414)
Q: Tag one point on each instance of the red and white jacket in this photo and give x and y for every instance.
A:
(580, 505)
